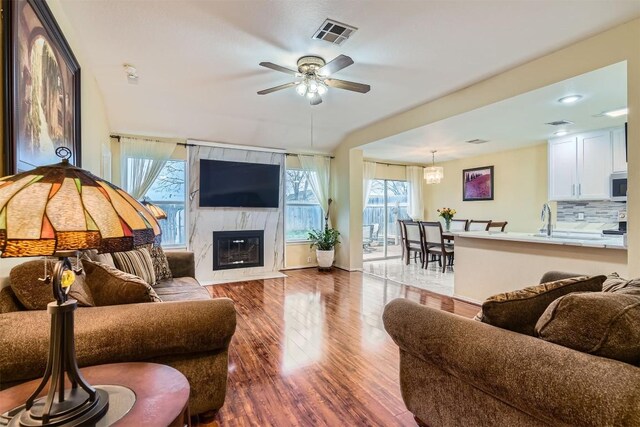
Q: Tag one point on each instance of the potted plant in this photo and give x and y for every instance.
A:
(447, 214)
(325, 242)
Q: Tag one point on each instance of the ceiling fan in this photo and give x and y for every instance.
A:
(314, 74)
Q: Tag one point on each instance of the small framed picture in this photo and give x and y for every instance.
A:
(477, 184)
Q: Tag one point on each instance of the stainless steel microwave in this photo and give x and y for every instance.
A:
(619, 187)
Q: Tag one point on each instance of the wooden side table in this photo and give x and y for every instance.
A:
(162, 392)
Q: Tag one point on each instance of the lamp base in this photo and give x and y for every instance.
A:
(75, 410)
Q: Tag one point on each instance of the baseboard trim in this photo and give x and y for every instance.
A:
(299, 267)
(351, 270)
(467, 300)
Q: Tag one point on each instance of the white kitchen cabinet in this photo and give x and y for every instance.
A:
(563, 168)
(619, 142)
(580, 166)
(594, 165)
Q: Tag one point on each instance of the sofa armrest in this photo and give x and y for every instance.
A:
(552, 276)
(181, 263)
(118, 333)
(548, 381)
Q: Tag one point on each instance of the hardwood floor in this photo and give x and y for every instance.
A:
(311, 349)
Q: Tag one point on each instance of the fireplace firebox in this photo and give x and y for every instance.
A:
(238, 249)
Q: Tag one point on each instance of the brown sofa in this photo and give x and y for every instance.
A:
(189, 331)
(460, 372)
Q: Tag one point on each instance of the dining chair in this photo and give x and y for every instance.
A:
(403, 236)
(478, 225)
(413, 241)
(497, 224)
(459, 224)
(367, 232)
(434, 245)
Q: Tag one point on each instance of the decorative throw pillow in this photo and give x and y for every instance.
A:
(34, 294)
(519, 310)
(93, 255)
(111, 286)
(160, 264)
(605, 324)
(137, 262)
(615, 283)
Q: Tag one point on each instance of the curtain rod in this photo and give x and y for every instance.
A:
(392, 164)
(300, 154)
(119, 137)
(186, 144)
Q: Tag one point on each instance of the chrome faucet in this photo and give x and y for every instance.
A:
(546, 215)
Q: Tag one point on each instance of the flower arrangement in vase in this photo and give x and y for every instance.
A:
(447, 214)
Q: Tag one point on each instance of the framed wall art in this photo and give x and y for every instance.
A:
(42, 88)
(477, 184)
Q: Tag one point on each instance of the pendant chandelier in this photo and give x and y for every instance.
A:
(433, 174)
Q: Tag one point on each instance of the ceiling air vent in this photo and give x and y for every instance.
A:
(559, 123)
(477, 141)
(334, 32)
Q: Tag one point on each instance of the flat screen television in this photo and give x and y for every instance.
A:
(239, 184)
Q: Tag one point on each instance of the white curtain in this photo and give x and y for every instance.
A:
(141, 163)
(368, 175)
(319, 170)
(415, 178)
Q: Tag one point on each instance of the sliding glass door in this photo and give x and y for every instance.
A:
(386, 204)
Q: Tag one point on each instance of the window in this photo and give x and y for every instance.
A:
(302, 211)
(168, 192)
(386, 204)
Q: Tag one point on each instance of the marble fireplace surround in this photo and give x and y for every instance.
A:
(203, 221)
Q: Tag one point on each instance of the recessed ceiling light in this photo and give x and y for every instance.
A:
(562, 132)
(570, 99)
(616, 113)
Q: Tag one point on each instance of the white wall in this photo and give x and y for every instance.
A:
(520, 188)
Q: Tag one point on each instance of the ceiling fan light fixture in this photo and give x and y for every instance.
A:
(302, 89)
(312, 78)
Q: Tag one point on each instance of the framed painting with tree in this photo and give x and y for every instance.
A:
(42, 88)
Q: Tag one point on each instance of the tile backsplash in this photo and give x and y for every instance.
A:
(598, 211)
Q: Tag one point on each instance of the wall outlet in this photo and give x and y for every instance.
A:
(580, 216)
(308, 259)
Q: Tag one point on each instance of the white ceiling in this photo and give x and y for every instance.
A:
(199, 73)
(513, 123)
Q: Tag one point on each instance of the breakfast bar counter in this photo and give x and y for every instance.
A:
(562, 238)
(488, 263)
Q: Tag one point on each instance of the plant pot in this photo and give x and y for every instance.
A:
(325, 258)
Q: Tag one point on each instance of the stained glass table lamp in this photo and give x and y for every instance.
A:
(57, 210)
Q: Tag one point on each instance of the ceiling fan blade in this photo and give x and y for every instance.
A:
(277, 67)
(338, 63)
(275, 88)
(315, 100)
(343, 84)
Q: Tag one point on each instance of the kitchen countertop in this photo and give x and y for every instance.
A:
(590, 240)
